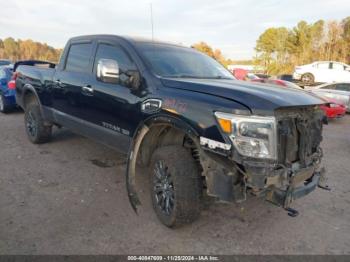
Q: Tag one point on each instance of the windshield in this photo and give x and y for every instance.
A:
(181, 62)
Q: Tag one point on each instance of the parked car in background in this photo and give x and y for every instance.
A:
(336, 91)
(7, 89)
(277, 82)
(322, 72)
(8, 77)
(251, 76)
(240, 73)
(286, 77)
(265, 76)
(4, 62)
(333, 109)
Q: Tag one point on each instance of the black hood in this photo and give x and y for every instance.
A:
(257, 97)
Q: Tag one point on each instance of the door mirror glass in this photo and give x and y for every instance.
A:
(108, 71)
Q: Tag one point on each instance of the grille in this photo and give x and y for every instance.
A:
(299, 136)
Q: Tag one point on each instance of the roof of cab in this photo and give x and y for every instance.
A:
(130, 39)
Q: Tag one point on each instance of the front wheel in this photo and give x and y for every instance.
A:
(175, 186)
(37, 130)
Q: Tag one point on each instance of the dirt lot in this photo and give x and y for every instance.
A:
(69, 197)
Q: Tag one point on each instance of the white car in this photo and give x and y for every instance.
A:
(336, 91)
(322, 72)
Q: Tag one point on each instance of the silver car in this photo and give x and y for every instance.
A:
(337, 91)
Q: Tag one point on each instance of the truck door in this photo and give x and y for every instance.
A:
(69, 80)
(110, 106)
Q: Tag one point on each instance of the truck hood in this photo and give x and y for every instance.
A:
(259, 98)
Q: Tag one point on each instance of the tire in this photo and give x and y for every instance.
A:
(308, 79)
(175, 176)
(37, 131)
(3, 107)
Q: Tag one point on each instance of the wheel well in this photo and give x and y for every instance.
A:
(165, 135)
(29, 98)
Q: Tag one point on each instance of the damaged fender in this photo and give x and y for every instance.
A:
(134, 150)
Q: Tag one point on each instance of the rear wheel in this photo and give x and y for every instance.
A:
(3, 107)
(38, 132)
(308, 79)
(175, 186)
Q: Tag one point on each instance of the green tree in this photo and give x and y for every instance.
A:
(27, 49)
(208, 50)
(279, 50)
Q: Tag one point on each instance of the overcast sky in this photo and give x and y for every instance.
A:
(233, 26)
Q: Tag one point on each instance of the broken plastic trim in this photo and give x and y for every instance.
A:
(135, 147)
(212, 144)
(131, 167)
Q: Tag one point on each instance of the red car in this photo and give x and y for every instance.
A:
(333, 108)
(278, 82)
(240, 73)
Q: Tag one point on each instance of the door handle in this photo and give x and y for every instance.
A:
(87, 89)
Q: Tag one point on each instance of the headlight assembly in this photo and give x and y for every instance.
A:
(252, 136)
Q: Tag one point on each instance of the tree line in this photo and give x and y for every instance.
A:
(280, 49)
(27, 49)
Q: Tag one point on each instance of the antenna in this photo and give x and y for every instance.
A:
(152, 20)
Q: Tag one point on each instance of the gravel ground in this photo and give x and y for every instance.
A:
(69, 197)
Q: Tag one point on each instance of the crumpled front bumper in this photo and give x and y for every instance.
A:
(285, 197)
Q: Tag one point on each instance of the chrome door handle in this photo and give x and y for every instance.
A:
(87, 89)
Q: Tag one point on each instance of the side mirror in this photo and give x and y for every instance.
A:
(108, 71)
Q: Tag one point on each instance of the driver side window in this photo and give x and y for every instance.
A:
(116, 53)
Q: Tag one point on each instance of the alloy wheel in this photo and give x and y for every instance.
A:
(31, 125)
(163, 188)
(1, 104)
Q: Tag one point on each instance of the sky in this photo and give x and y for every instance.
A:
(230, 25)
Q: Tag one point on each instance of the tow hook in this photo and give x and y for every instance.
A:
(292, 212)
(322, 183)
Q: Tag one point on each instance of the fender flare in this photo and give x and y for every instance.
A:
(138, 137)
(29, 87)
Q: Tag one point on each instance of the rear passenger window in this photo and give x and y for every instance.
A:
(79, 57)
(337, 66)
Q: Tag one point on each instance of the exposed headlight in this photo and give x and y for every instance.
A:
(333, 105)
(252, 136)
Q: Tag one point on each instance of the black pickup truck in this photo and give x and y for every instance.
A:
(184, 116)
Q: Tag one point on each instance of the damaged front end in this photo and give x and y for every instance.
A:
(283, 170)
